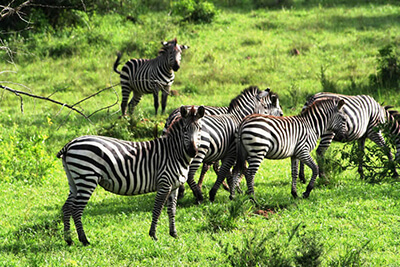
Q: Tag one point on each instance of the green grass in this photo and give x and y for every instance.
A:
(353, 221)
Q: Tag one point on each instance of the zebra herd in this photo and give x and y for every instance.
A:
(250, 129)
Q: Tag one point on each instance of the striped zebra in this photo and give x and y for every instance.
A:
(364, 115)
(148, 76)
(270, 137)
(272, 107)
(218, 131)
(130, 168)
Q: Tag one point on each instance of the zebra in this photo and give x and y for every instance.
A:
(218, 131)
(148, 76)
(130, 168)
(364, 114)
(261, 136)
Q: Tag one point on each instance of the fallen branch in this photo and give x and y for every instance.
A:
(71, 107)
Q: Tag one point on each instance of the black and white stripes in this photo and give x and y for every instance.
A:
(149, 76)
(130, 168)
(364, 115)
(270, 137)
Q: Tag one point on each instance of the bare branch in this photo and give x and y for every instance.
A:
(16, 92)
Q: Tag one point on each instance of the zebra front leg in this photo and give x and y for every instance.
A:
(159, 202)
(181, 191)
(192, 183)
(164, 99)
(295, 163)
(314, 167)
(156, 102)
(380, 141)
(171, 203)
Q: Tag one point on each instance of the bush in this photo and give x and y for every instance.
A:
(24, 158)
(195, 11)
(388, 70)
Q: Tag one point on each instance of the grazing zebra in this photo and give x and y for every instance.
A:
(364, 115)
(130, 168)
(218, 131)
(270, 137)
(148, 76)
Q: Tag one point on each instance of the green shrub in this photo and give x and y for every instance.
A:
(388, 70)
(195, 11)
(24, 158)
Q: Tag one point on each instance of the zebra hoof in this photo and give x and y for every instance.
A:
(174, 234)
(69, 242)
(294, 194)
(306, 194)
(212, 194)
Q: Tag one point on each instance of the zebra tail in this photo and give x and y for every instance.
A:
(116, 63)
(61, 153)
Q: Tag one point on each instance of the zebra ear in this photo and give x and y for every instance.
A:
(200, 112)
(164, 43)
(183, 112)
(340, 104)
(263, 94)
(275, 100)
(183, 47)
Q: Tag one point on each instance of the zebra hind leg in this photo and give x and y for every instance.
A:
(134, 102)
(164, 99)
(156, 102)
(67, 213)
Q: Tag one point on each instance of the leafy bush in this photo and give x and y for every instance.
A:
(24, 158)
(195, 11)
(388, 70)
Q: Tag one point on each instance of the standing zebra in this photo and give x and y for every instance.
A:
(218, 131)
(270, 137)
(364, 115)
(130, 168)
(148, 76)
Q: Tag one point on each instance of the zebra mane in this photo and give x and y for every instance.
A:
(192, 110)
(252, 90)
(164, 49)
(308, 106)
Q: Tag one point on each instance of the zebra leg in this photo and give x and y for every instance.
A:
(67, 213)
(204, 170)
(164, 98)
(156, 102)
(134, 101)
(181, 191)
(301, 173)
(126, 91)
(223, 173)
(254, 164)
(324, 144)
(295, 163)
(306, 159)
(361, 147)
(192, 183)
(159, 202)
(171, 203)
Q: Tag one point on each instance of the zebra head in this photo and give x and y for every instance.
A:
(174, 51)
(338, 121)
(191, 129)
(268, 103)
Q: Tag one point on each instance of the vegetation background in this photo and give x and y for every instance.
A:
(66, 50)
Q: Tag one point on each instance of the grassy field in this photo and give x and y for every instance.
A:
(345, 222)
